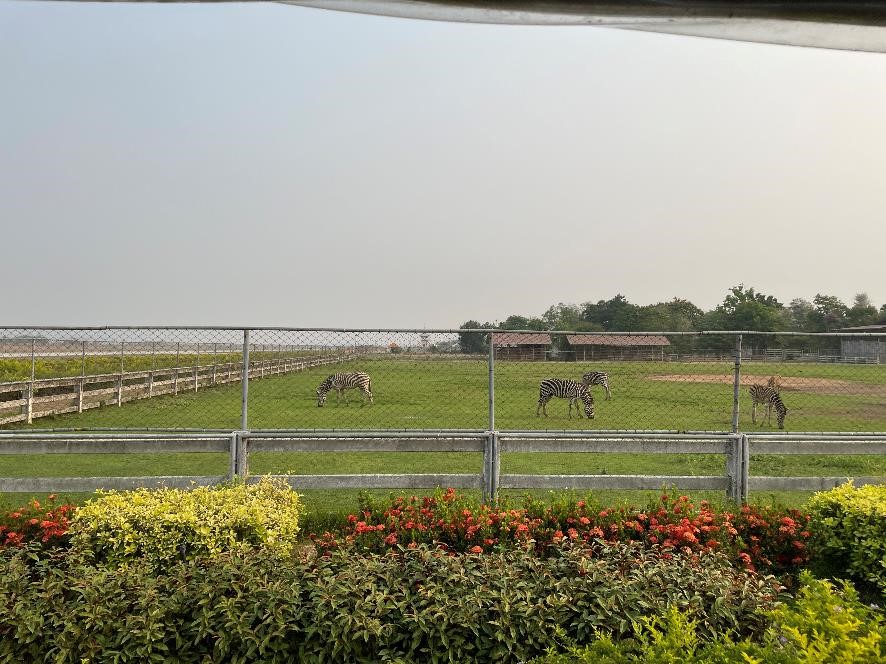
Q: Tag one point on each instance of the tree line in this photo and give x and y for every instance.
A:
(742, 309)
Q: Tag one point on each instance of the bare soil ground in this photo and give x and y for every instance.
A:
(829, 386)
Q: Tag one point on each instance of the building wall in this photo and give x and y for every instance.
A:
(868, 348)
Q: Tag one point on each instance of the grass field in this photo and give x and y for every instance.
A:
(430, 393)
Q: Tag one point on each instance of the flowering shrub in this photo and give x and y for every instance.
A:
(766, 538)
(45, 524)
(165, 524)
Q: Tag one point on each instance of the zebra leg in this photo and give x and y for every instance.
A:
(542, 405)
(754, 413)
(608, 393)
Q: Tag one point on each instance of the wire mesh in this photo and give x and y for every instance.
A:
(191, 378)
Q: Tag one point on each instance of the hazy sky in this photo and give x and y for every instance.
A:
(273, 165)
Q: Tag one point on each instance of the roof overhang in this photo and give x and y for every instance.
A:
(835, 24)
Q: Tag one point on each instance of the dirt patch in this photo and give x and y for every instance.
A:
(829, 386)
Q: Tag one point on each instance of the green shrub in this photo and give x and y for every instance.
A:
(849, 526)
(824, 625)
(165, 524)
(415, 605)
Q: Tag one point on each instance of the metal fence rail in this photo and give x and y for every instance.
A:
(736, 449)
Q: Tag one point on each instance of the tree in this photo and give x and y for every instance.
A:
(745, 310)
(830, 313)
(802, 315)
(522, 323)
(615, 314)
(473, 342)
(862, 311)
(564, 317)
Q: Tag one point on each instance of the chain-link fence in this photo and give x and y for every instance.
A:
(192, 378)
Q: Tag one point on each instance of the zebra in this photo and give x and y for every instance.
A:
(597, 378)
(344, 381)
(565, 389)
(768, 396)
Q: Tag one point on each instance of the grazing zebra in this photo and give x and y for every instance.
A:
(597, 378)
(345, 381)
(565, 389)
(762, 394)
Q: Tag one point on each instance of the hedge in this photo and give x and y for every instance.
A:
(421, 604)
(850, 532)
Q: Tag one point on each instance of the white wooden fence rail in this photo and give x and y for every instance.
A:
(85, 392)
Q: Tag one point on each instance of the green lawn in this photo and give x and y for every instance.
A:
(422, 393)
(427, 393)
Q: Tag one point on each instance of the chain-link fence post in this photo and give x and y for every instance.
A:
(244, 402)
(29, 403)
(80, 384)
(491, 364)
(491, 448)
(120, 378)
(736, 384)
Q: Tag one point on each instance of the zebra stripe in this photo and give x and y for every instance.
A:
(598, 378)
(764, 395)
(345, 381)
(565, 389)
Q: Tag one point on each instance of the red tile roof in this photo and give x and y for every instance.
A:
(518, 339)
(617, 340)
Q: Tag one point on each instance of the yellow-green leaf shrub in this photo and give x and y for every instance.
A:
(849, 531)
(166, 524)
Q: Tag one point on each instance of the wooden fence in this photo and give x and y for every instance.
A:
(23, 401)
(736, 480)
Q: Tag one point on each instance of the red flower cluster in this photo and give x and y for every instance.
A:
(766, 538)
(47, 524)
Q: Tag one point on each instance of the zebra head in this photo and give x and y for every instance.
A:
(588, 401)
(325, 386)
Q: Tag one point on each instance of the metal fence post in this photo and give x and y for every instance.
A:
(29, 405)
(178, 350)
(733, 468)
(151, 375)
(80, 385)
(491, 364)
(244, 403)
(239, 462)
(491, 468)
(197, 368)
(120, 379)
(736, 384)
(745, 466)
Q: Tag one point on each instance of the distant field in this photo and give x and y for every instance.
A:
(16, 369)
(431, 393)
